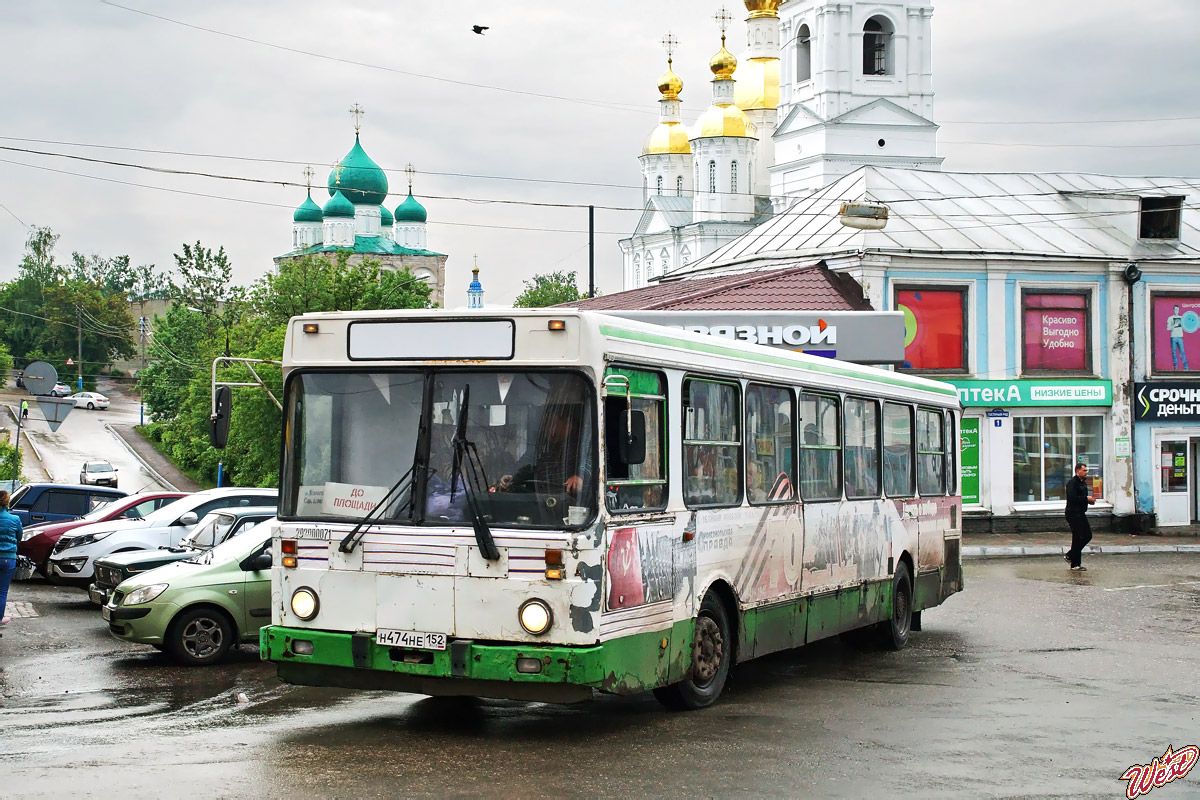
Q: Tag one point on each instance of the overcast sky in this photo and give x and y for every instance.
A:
(573, 96)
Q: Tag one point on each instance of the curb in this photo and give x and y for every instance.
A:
(166, 483)
(28, 440)
(1052, 550)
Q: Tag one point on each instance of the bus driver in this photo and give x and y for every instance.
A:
(556, 466)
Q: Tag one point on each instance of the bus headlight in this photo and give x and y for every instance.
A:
(535, 616)
(304, 603)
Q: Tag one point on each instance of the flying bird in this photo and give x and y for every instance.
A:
(479, 29)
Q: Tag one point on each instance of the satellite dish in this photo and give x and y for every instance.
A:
(40, 378)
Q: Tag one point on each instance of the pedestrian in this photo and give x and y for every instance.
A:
(24, 409)
(1079, 497)
(10, 534)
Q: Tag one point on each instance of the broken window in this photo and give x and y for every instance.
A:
(1159, 218)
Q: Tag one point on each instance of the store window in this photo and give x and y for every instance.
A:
(1046, 450)
(861, 452)
(897, 450)
(636, 487)
(770, 456)
(1175, 332)
(712, 446)
(935, 325)
(1057, 332)
(1173, 467)
(820, 448)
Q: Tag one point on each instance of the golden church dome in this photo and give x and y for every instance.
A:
(667, 138)
(723, 120)
(669, 84)
(723, 63)
(763, 8)
(757, 83)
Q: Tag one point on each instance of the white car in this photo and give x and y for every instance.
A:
(90, 400)
(98, 473)
(73, 559)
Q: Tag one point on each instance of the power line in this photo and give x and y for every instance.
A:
(393, 70)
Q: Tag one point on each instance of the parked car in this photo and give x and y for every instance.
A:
(35, 503)
(60, 390)
(20, 380)
(73, 558)
(90, 400)
(98, 473)
(38, 540)
(197, 609)
(217, 527)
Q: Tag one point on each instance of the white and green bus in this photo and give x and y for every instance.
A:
(539, 504)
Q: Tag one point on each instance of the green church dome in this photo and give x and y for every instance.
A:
(339, 206)
(410, 210)
(362, 180)
(308, 211)
(385, 217)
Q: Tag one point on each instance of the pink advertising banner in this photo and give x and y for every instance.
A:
(1056, 332)
(1175, 328)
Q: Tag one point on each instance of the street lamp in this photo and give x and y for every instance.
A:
(401, 285)
(864, 216)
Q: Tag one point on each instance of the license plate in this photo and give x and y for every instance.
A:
(418, 640)
(106, 612)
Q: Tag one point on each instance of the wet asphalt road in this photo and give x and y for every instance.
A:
(1034, 682)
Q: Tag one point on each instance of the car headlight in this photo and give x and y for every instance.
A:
(87, 538)
(535, 617)
(29, 534)
(144, 594)
(304, 603)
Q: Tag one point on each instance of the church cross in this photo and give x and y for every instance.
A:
(410, 171)
(358, 112)
(669, 43)
(308, 173)
(337, 172)
(723, 18)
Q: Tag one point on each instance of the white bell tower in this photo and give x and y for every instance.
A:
(856, 88)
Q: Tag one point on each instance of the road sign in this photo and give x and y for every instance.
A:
(40, 378)
(70, 363)
(55, 410)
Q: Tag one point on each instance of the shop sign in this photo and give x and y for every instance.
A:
(1177, 401)
(969, 458)
(1034, 393)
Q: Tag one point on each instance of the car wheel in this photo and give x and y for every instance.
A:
(91, 406)
(199, 637)
(712, 651)
(894, 632)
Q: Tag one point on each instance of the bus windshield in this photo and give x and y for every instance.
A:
(527, 449)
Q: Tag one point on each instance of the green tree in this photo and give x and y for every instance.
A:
(206, 281)
(549, 289)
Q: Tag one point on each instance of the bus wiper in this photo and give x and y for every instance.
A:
(471, 477)
(360, 530)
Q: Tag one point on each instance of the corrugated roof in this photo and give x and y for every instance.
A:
(810, 287)
(1044, 215)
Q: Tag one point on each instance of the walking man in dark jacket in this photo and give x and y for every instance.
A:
(1079, 497)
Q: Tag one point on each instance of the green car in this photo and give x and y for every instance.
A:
(197, 609)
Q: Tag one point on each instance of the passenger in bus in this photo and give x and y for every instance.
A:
(754, 482)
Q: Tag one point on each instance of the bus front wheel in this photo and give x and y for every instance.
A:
(712, 650)
(894, 632)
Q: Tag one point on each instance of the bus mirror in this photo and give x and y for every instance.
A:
(631, 439)
(218, 431)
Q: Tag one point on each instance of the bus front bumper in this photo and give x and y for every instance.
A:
(464, 668)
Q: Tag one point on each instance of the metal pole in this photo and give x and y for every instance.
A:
(591, 251)
(79, 345)
(17, 448)
(220, 469)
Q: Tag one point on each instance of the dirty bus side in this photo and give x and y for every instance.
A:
(546, 503)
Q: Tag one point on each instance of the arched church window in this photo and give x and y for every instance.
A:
(877, 46)
(679, 186)
(712, 177)
(659, 191)
(637, 276)
(803, 54)
(733, 177)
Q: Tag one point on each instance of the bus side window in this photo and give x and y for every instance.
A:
(770, 459)
(931, 452)
(861, 453)
(820, 448)
(897, 450)
(712, 445)
(631, 488)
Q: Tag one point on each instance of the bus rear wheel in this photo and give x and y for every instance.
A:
(712, 650)
(894, 633)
